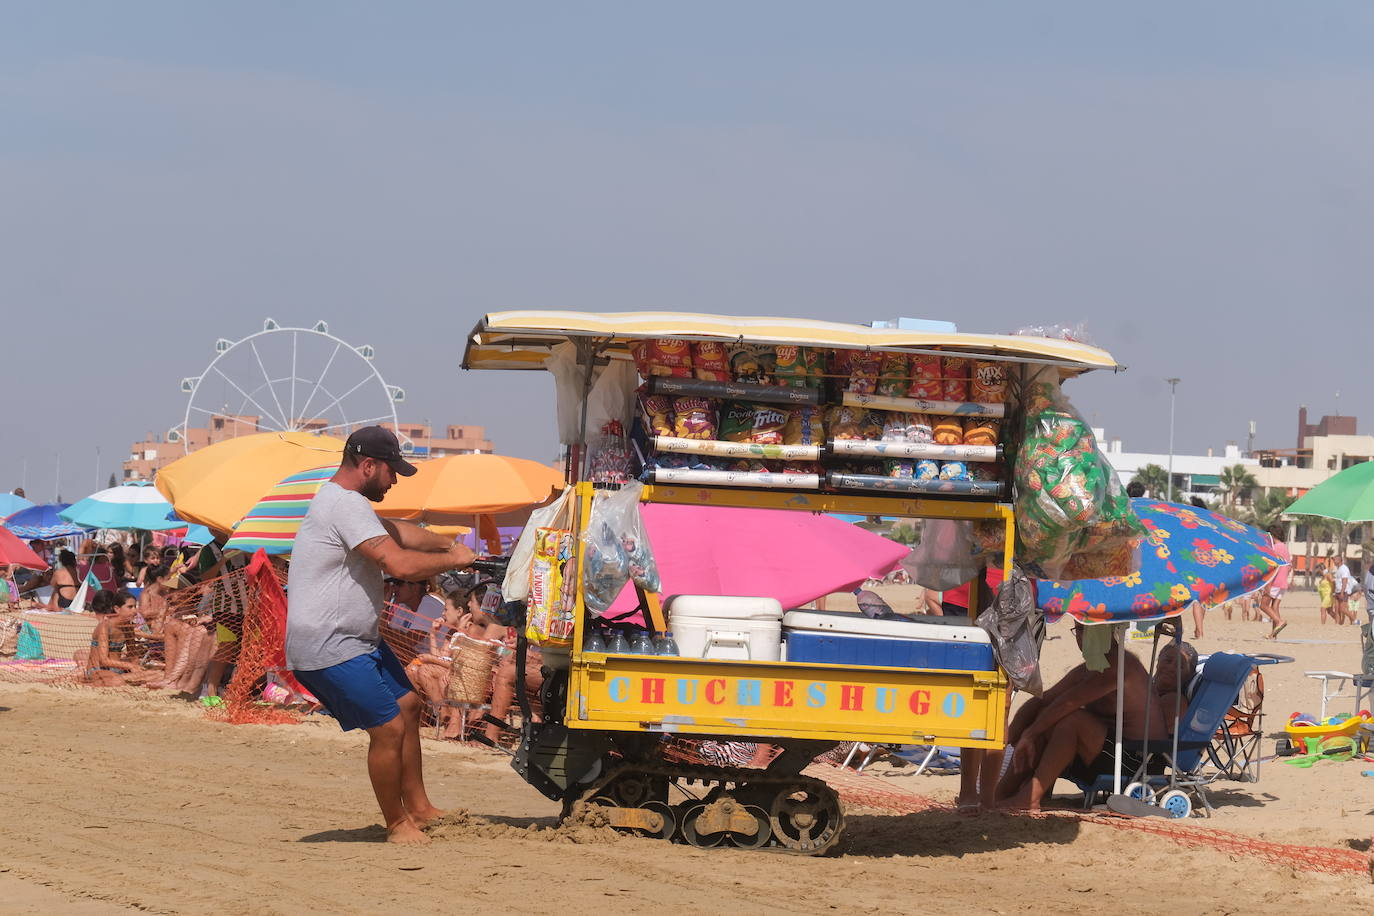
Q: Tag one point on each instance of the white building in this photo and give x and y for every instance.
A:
(1194, 475)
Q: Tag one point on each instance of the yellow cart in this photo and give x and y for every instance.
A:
(607, 716)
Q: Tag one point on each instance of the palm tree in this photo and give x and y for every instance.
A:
(1154, 479)
(1268, 508)
(1235, 483)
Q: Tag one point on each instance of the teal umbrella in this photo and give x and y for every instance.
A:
(1347, 497)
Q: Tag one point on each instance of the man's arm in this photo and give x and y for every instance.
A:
(1094, 687)
(414, 565)
(413, 537)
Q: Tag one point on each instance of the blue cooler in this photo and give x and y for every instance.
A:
(840, 638)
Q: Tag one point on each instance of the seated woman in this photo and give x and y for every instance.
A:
(188, 644)
(66, 581)
(109, 661)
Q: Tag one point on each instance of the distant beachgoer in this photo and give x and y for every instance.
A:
(340, 556)
(1342, 585)
(151, 557)
(1272, 597)
(1325, 589)
(66, 581)
(1135, 489)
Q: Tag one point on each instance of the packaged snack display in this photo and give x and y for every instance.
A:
(949, 431)
(925, 378)
(815, 369)
(671, 357)
(927, 469)
(694, 418)
(768, 425)
(919, 428)
(609, 456)
(892, 375)
(846, 422)
(899, 467)
(1069, 500)
(639, 352)
(895, 427)
(981, 431)
(708, 361)
(954, 371)
(751, 363)
(988, 384)
(789, 367)
(736, 422)
(863, 372)
(804, 427)
(658, 414)
(954, 470)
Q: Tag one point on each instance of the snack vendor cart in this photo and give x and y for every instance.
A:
(763, 413)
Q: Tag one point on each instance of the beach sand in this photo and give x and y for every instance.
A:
(117, 801)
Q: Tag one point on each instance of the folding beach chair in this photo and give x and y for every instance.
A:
(1188, 765)
(1235, 751)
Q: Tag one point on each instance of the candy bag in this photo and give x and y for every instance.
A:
(694, 418)
(708, 361)
(925, 378)
(954, 370)
(550, 613)
(615, 548)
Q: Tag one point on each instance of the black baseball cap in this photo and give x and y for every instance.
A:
(380, 443)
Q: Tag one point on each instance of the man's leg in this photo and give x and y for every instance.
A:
(385, 767)
(1079, 734)
(413, 794)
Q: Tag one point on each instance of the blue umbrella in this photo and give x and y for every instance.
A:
(198, 534)
(43, 523)
(10, 504)
(134, 506)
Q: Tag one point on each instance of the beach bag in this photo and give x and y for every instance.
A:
(516, 585)
(30, 645)
(552, 582)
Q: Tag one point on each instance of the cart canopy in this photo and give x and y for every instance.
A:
(522, 340)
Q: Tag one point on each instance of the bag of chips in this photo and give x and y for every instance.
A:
(892, 375)
(805, 426)
(988, 384)
(925, 378)
(927, 469)
(815, 367)
(694, 418)
(902, 468)
(949, 431)
(895, 427)
(736, 421)
(708, 361)
(919, 428)
(789, 367)
(863, 372)
(1068, 498)
(871, 425)
(846, 422)
(639, 351)
(768, 424)
(751, 363)
(953, 470)
(981, 430)
(670, 356)
(658, 414)
(954, 371)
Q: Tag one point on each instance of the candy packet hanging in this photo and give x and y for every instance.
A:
(616, 548)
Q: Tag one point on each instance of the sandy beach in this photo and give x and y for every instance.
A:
(119, 801)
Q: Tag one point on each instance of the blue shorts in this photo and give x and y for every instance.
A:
(361, 692)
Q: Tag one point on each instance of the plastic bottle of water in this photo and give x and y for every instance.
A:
(664, 644)
(643, 644)
(594, 642)
(618, 645)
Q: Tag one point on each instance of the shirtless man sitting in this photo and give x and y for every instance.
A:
(1069, 726)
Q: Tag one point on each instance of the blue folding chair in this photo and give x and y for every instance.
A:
(1218, 686)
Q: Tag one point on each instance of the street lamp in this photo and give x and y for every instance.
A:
(1173, 383)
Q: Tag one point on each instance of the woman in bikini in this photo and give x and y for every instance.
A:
(66, 580)
(109, 662)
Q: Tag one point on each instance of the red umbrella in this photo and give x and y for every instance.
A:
(13, 550)
(795, 557)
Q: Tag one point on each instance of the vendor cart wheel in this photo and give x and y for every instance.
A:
(669, 821)
(689, 816)
(1140, 790)
(806, 819)
(632, 790)
(1176, 803)
(759, 839)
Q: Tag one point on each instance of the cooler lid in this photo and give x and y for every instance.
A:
(924, 626)
(724, 607)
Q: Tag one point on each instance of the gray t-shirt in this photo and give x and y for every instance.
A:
(334, 593)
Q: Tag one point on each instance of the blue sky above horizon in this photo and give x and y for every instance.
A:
(1191, 182)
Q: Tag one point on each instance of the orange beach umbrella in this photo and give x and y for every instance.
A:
(446, 491)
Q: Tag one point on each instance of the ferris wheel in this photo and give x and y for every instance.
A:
(283, 379)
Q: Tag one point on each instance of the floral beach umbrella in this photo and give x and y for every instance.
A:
(1188, 554)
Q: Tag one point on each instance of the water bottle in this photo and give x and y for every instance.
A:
(594, 642)
(643, 644)
(618, 645)
(664, 644)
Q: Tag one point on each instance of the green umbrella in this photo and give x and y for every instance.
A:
(1348, 497)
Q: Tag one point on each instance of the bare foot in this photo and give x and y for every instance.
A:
(406, 833)
(1024, 800)
(423, 816)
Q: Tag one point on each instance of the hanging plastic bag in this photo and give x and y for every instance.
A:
(516, 585)
(551, 600)
(616, 548)
(947, 556)
(1016, 627)
(1070, 507)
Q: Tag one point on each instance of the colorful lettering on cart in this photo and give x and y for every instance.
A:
(784, 694)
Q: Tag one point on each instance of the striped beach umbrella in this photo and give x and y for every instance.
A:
(272, 523)
(42, 523)
(136, 505)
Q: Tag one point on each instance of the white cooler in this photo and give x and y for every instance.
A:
(726, 627)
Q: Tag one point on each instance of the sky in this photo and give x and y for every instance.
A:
(1188, 183)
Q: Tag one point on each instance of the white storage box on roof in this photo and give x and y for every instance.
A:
(726, 627)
